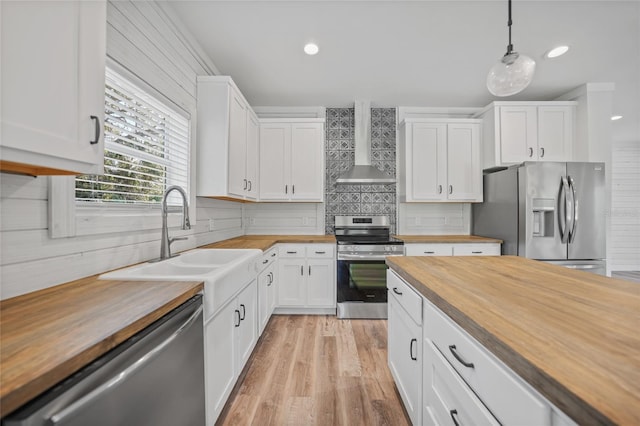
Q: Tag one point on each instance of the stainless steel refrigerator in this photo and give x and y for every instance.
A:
(547, 211)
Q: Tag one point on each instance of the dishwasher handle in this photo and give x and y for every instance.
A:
(69, 411)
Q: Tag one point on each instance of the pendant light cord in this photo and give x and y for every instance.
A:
(510, 46)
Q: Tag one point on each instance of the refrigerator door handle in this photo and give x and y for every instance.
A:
(563, 210)
(574, 220)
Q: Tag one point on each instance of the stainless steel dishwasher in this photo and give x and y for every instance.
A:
(156, 377)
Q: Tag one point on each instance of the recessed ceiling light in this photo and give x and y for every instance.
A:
(616, 117)
(557, 51)
(311, 48)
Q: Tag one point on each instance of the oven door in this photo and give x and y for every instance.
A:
(361, 279)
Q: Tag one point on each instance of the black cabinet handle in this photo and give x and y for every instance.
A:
(453, 350)
(273, 255)
(429, 252)
(244, 312)
(96, 123)
(320, 252)
(541, 152)
(454, 417)
(301, 270)
(265, 261)
(245, 184)
(439, 189)
(238, 324)
(395, 290)
(450, 189)
(476, 252)
(290, 252)
(286, 188)
(309, 269)
(530, 152)
(293, 189)
(411, 349)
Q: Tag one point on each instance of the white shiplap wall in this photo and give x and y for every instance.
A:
(625, 209)
(143, 38)
(284, 218)
(434, 218)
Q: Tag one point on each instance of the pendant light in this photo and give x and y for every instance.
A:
(513, 73)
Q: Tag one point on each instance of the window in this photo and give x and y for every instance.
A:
(146, 149)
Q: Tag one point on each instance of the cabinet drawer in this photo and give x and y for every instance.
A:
(500, 389)
(405, 295)
(291, 251)
(428, 249)
(267, 259)
(320, 251)
(483, 249)
(451, 401)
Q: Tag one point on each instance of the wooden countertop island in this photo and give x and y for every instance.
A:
(573, 336)
(47, 335)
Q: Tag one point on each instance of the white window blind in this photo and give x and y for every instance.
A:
(146, 149)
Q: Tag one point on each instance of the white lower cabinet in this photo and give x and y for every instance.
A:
(456, 381)
(307, 276)
(405, 348)
(230, 336)
(266, 295)
(457, 249)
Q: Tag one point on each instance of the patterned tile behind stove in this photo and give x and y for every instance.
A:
(340, 146)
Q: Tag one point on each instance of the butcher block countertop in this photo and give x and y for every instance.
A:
(49, 334)
(573, 336)
(446, 239)
(265, 242)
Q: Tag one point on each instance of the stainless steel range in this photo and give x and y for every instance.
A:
(363, 244)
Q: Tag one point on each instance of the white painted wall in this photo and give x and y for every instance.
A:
(625, 207)
(143, 39)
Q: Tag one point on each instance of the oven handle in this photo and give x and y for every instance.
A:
(365, 256)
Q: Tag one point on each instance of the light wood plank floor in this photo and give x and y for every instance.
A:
(317, 370)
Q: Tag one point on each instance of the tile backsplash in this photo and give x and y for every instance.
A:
(373, 200)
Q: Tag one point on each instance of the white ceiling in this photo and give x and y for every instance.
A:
(417, 53)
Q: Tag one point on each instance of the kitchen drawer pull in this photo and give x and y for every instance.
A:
(238, 324)
(429, 252)
(320, 252)
(454, 417)
(244, 312)
(411, 349)
(453, 350)
(395, 290)
(291, 252)
(265, 261)
(476, 252)
(96, 137)
(273, 254)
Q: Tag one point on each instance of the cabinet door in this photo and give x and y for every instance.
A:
(247, 333)
(464, 175)
(272, 290)
(275, 161)
(53, 81)
(307, 162)
(238, 183)
(555, 133)
(291, 283)
(518, 134)
(321, 282)
(405, 358)
(252, 156)
(427, 162)
(220, 359)
(264, 284)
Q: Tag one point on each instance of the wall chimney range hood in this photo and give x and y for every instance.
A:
(363, 172)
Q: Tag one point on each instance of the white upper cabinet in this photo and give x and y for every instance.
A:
(53, 84)
(292, 160)
(227, 141)
(439, 160)
(527, 131)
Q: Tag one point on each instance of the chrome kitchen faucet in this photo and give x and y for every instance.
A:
(165, 243)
